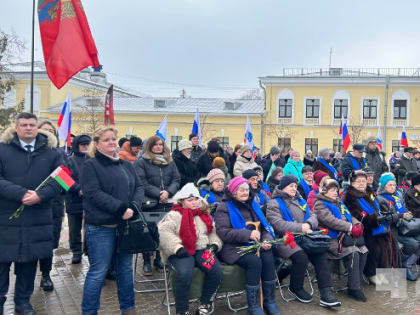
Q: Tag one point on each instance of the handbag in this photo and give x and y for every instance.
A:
(314, 243)
(136, 235)
(149, 203)
(409, 228)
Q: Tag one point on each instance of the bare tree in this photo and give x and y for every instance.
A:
(207, 129)
(355, 131)
(253, 94)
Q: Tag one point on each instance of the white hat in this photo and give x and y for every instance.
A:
(184, 144)
(189, 190)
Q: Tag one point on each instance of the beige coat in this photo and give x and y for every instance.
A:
(328, 220)
(170, 242)
(242, 164)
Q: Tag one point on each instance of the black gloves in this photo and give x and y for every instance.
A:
(182, 252)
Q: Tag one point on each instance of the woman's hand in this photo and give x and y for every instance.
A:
(306, 228)
(266, 246)
(164, 195)
(255, 235)
(128, 214)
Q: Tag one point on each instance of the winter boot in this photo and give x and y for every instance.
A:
(253, 297)
(46, 283)
(157, 263)
(328, 299)
(270, 306)
(205, 309)
(147, 265)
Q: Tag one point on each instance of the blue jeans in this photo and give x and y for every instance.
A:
(101, 243)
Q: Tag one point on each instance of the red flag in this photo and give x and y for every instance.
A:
(109, 107)
(67, 42)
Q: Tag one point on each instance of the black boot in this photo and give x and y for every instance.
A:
(2, 301)
(253, 298)
(24, 309)
(147, 266)
(328, 299)
(270, 306)
(157, 263)
(46, 283)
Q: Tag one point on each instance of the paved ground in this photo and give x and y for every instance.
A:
(69, 279)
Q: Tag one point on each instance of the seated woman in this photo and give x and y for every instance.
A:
(288, 211)
(319, 177)
(334, 215)
(238, 208)
(360, 200)
(393, 209)
(187, 234)
(211, 188)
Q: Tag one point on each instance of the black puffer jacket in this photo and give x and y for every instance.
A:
(376, 162)
(29, 237)
(186, 168)
(109, 188)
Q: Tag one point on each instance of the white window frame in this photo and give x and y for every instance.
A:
(338, 95)
(304, 109)
(400, 95)
(378, 108)
(285, 94)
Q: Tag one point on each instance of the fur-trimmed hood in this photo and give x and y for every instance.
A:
(148, 155)
(9, 134)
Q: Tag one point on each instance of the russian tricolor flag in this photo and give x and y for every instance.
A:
(346, 135)
(404, 141)
(162, 131)
(379, 138)
(196, 129)
(64, 122)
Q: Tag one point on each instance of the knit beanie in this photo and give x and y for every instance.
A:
(218, 162)
(385, 178)
(213, 146)
(249, 173)
(189, 190)
(235, 183)
(286, 180)
(245, 148)
(415, 180)
(215, 173)
(318, 176)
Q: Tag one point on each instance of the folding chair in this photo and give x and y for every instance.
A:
(338, 267)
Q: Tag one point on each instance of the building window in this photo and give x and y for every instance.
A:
(338, 145)
(340, 108)
(312, 108)
(400, 109)
(396, 145)
(370, 108)
(285, 108)
(224, 140)
(311, 144)
(174, 142)
(285, 143)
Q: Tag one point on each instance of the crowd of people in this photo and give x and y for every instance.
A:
(207, 195)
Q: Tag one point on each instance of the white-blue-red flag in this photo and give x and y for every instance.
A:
(345, 135)
(162, 131)
(249, 138)
(64, 122)
(196, 129)
(404, 141)
(379, 138)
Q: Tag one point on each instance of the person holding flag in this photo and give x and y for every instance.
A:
(18, 182)
(374, 158)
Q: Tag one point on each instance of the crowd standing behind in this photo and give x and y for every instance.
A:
(204, 195)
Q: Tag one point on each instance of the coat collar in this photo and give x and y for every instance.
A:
(44, 138)
(105, 160)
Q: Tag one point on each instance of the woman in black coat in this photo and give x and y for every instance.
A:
(111, 193)
(186, 168)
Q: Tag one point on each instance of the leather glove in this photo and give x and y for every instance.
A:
(357, 230)
(408, 215)
(214, 248)
(182, 252)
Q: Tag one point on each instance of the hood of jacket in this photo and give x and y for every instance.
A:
(9, 134)
(76, 142)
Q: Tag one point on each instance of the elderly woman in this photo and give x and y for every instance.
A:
(324, 164)
(232, 214)
(187, 235)
(212, 187)
(335, 216)
(244, 161)
(382, 246)
(319, 177)
(288, 212)
(111, 192)
(394, 210)
(294, 165)
(308, 159)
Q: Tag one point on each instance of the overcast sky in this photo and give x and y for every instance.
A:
(218, 48)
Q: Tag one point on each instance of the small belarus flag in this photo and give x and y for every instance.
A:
(63, 176)
(404, 141)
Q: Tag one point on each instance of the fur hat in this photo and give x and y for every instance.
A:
(218, 162)
(328, 184)
(415, 180)
(385, 178)
(354, 174)
(189, 190)
(249, 173)
(215, 173)
(286, 180)
(235, 183)
(245, 148)
(184, 144)
(213, 146)
(318, 176)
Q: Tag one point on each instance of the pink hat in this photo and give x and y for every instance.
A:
(215, 173)
(235, 183)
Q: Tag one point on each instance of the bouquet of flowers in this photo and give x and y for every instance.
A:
(208, 257)
(287, 239)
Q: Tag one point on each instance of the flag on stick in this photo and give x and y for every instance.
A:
(64, 122)
(109, 107)
(196, 129)
(379, 138)
(249, 138)
(346, 136)
(63, 177)
(404, 141)
(162, 131)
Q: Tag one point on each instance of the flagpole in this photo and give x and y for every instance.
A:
(32, 56)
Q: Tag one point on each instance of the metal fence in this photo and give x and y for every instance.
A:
(351, 72)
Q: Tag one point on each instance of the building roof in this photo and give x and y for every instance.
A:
(173, 105)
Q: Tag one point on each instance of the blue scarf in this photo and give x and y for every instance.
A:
(238, 222)
(366, 206)
(338, 213)
(355, 164)
(329, 167)
(285, 211)
(265, 187)
(208, 196)
(305, 187)
(396, 202)
(261, 197)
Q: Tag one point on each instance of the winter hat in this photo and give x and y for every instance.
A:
(318, 176)
(275, 150)
(189, 190)
(122, 141)
(258, 168)
(371, 139)
(355, 174)
(184, 144)
(328, 184)
(235, 183)
(286, 180)
(249, 173)
(218, 162)
(245, 148)
(358, 147)
(84, 139)
(415, 180)
(135, 142)
(409, 149)
(213, 146)
(215, 173)
(324, 152)
(385, 178)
